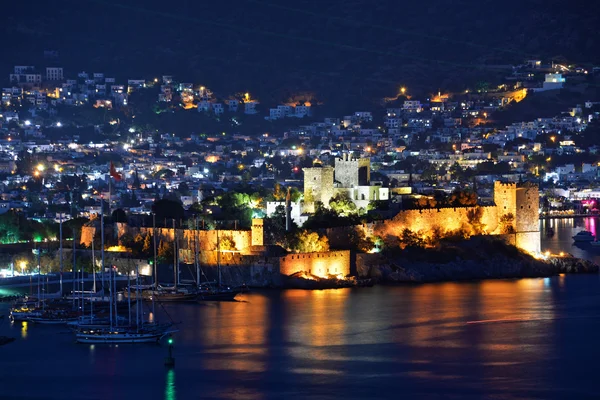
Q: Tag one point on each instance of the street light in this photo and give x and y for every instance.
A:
(23, 264)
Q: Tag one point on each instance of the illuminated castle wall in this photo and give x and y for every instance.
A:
(319, 264)
(521, 200)
(243, 240)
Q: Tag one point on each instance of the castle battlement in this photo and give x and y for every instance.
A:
(515, 212)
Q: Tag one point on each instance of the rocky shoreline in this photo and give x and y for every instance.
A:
(497, 268)
(471, 264)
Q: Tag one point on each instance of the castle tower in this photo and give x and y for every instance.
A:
(257, 232)
(318, 186)
(351, 172)
(521, 200)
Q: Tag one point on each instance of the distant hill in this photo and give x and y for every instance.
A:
(347, 52)
(548, 104)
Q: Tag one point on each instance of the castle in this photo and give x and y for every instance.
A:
(351, 176)
(514, 217)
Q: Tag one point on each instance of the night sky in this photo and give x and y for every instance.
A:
(337, 49)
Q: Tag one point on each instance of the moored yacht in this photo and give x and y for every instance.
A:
(584, 236)
(129, 334)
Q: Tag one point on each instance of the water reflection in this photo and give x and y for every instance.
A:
(237, 335)
(170, 393)
(565, 229)
(24, 327)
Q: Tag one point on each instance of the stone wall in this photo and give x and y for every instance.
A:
(207, 239)
(528, 241)
(320, 264)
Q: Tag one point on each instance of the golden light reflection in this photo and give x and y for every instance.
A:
(236, 341)
(322, 322)
(24, 330)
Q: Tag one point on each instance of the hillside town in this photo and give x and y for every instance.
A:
(61, 135)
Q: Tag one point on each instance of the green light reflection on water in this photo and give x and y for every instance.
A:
(170, 393)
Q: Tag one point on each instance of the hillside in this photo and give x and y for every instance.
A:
(348, 52)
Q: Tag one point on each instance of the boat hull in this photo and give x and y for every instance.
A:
(44, 321)
(218, 296)
(118, 338)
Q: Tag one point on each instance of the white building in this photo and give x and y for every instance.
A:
(54, 74)
(218, 108)
(552, 82)
(302, 111)
(250, 107)
(412, 106)
(233, 104)
(296, 212)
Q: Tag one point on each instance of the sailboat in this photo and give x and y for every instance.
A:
(114, 333)
(209, 292)
(175, 293)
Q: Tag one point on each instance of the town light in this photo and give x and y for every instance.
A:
(40, 167)
(57, 167)
(402, 90)
(27, 123)
(58, 124)
(23, 265)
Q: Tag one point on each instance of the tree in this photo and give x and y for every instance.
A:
(169, 209)
(463, 198)
(147, 247)
(506, 223)
(457, 173)
(305, 241)
(278, 193)
(184, 189)
(165, 252)
(426, 202)
(342, 204)
(474, 216)
(411, 239)
(226, 243)
(119, 215)
(274, 225)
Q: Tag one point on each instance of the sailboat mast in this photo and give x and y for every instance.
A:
(218, 257)
(93, 265)
(110, 301)
(115, 294)
(74, 269)
(174, 255)
(129, 296)
(61, 253)
(102, 268)
(38, 265)
(196, 255)
(155, 265)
